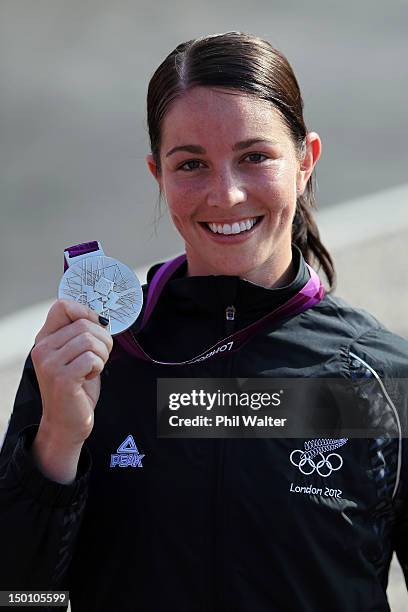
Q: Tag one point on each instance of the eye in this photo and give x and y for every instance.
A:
(255, 158)
(189, 165)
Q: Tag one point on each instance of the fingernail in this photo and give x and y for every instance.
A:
(103, 321)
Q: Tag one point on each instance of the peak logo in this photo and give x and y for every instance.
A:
(127, 455)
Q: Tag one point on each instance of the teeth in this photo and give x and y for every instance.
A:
(235, 228)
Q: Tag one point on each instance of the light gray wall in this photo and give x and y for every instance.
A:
(73, 80)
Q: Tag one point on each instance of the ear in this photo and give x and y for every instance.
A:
(151, 164)
(313, 150)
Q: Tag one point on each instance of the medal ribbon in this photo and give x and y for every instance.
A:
(310, 295)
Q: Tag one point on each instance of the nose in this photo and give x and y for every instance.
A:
(226, 189)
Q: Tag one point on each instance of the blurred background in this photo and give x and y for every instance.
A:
(73, 82)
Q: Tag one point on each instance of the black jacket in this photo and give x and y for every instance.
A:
(211, 525)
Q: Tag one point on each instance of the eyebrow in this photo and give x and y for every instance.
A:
(244, 144)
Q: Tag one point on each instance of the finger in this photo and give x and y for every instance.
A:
(81, 344)
(85, 366)
(59, 338)
(63, 312)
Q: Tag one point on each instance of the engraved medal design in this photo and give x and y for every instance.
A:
(107, 286)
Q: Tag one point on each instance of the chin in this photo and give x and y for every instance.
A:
(235, 268)
(223, 264)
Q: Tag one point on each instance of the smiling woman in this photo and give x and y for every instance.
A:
(234, 202)
(234, 103)
(215, 518)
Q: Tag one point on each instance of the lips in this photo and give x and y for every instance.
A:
(231, 227)
(232, 238)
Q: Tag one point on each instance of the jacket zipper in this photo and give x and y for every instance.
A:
(230, 312)
(216, 594)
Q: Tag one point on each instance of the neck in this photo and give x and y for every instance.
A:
(271, 275)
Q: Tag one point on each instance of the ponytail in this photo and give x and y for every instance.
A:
(305, 235)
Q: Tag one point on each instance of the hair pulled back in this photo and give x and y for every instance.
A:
(248, 65)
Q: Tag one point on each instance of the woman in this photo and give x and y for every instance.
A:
(210, 524)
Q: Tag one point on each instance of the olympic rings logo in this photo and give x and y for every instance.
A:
(324, 467)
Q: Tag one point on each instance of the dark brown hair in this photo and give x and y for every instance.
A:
(247, 65)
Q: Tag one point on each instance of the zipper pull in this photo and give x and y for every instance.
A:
(230, 318)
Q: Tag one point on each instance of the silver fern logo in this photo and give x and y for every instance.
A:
(312, 459)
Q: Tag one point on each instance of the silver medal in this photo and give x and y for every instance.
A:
(107, 286)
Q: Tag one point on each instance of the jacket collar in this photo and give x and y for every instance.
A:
(212, 293)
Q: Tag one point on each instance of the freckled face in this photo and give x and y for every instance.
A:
(229, 175)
